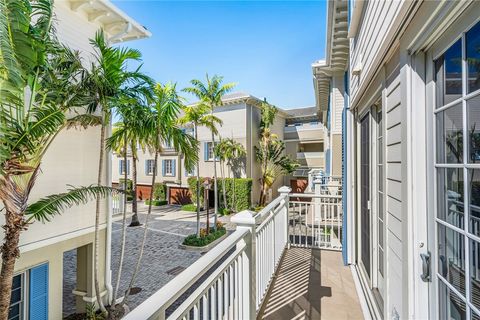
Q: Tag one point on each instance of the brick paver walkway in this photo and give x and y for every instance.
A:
(167, 228)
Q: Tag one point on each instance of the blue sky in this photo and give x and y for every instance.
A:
(266, 47)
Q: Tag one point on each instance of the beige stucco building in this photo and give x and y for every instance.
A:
(240, 113)
(304, 137)
(72, 159)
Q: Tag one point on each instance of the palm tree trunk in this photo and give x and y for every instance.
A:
(198, 186)
(215, 187)
(230, 171)
(222, 172)
(134, 222)
(142, 246)
(124, 226)
(13, 227)
(97, 217)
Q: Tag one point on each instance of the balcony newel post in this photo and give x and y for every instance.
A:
(245, 219)
(284, 193)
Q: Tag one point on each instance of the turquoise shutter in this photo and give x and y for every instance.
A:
(205, 151)
(128, 167)
(120, 165)
(174, 173)
(163, 168)
(146, 167)
(38, 293)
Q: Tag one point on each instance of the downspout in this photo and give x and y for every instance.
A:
(108, 238)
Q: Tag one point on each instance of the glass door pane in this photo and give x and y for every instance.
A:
(365, 192)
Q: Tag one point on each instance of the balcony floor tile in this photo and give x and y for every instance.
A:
(312, 284)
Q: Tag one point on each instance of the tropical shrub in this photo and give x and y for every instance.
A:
(160, 191)
(205, 239)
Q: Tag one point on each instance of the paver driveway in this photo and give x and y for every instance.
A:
(167, 227)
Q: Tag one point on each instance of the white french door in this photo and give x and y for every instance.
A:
(455, 241)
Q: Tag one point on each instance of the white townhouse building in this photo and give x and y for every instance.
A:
(410, 148)
(240, 113)
(71, 160)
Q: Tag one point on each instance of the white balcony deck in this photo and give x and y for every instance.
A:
(270, 267)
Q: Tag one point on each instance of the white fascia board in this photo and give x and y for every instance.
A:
(355, 19)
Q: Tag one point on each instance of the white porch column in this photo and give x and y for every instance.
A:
(284, 193)
(245, 219)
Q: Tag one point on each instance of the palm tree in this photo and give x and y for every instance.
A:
(40, 95)
(220, 153)
(210, 94)
(162, 127)
(198, 115)
(126, 135)
(108, 80)
(270, 152)
(234, 152)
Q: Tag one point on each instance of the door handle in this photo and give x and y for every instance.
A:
(426, 261)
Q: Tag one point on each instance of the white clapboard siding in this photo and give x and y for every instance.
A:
(337, 103)
(377, 20)
(394, 108)
(72, 159)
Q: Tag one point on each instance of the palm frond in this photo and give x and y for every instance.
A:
(83, 121)
(44, 209)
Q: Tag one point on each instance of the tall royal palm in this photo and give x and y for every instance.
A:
(210, 94)
(198, 115)
(162, 127)
(107, 81)
(40, 95)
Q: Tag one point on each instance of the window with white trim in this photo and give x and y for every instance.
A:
(168, 167)
(210, 152)
(17, 301)
(190, 173)
(149, 167)
(121, 167)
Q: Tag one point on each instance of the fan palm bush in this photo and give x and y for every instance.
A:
(41, 94)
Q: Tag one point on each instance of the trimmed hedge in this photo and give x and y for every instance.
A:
(160, 191)
(156, 202)
(242, 188)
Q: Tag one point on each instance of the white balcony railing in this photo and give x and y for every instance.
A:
(304, 127)
(232, 279)
(310, 155)
(117, 203)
